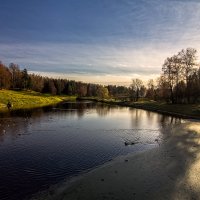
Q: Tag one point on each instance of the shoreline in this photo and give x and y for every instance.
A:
(71, 182)
(149, 106)
(170, 171)
(26, 100)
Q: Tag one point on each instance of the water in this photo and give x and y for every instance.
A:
(42, 147)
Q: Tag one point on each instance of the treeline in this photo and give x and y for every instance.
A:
(178, 83)
(180, 78)
(11, 77)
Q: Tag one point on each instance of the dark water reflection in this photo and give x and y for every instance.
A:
(42, 147)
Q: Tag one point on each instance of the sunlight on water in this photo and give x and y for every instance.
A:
(194, 127)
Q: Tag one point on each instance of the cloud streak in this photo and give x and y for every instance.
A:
(106, 39)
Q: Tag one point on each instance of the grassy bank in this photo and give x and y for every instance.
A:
(28, 99)
(179, 110)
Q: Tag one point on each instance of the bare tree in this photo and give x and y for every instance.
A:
(135, 88)
(151, 90)
(16, 75)
(188, 59)
(177, 70)
(163, 88)
(169, 74)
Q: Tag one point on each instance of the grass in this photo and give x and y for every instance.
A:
(28, 99)
(182, 110)
(31, 99)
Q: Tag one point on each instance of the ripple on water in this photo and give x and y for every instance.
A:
(47, 147)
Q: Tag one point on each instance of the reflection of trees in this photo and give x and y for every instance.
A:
(135, 117)
(102, 110)
(80, 108)
(16, 123)
(80, 112)
(169, 120)
(141, 118)
(73, 108)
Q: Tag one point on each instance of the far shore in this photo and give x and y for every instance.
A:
(170, 171)
(29, 100)
(186, 111)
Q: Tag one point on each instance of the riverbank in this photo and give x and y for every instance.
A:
(28, 99)
(188, 111)
(170, 171)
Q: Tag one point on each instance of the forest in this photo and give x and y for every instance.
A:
(179, 82)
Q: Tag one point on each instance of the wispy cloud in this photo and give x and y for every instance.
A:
(89, 59)
(106, 39)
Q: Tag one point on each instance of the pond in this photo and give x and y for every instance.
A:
(46, 146)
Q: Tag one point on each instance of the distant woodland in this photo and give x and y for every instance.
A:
(179, 82)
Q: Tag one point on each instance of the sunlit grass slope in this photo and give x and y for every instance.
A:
(28, 99)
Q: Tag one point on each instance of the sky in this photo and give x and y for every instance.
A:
(100, 41)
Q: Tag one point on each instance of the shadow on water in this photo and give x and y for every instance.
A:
(174, 172)
(184, 168)
(178, 161)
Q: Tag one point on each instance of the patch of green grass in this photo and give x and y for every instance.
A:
(184, 110)
(29, 99)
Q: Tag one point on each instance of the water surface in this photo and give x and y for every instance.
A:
(42, 147)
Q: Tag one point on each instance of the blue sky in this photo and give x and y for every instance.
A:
(106, 41)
